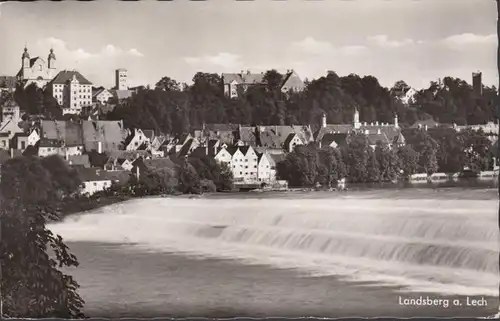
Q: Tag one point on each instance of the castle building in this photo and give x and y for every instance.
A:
(388, 134)
(72, 91)
(36, 70)
(233, 83)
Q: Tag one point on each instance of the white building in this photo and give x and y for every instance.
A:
(136, 139)
(243, 164)
(264, 170)
(101, 95)
(72, 91)
(94, 180)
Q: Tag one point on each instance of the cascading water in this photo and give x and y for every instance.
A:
(446, 246)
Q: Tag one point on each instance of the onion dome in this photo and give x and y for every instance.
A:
(25, 53)
(52, 55)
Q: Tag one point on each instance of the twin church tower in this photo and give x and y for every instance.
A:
(37, 70)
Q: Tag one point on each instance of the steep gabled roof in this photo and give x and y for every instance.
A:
(109, 132)
(63, 77)
(243, 78)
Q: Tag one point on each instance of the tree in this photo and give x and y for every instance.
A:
(356, 156)
(408, 160)
(372, 167)
(31, 255)
(189, 181)
(388, 161)
(331, 168)
(273, 80)
(167, 84)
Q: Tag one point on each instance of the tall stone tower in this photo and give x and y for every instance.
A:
(121, 79)
(477, 83)
(25, 64)
(51, 63)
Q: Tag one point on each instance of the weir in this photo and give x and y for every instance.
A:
(430, 244)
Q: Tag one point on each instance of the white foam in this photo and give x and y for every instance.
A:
(423, 245)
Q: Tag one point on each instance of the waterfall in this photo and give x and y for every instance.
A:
(435, 245)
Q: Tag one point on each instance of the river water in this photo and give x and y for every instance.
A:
(357, 253)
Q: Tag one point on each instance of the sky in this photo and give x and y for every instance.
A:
(417, 41)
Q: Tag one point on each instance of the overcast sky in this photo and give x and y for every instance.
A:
(414, 40)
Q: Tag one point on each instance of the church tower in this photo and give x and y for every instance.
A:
(356, 122)
(25, 64)
(121, 79)
(51, 63)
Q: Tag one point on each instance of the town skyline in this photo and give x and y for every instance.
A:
(417, 42)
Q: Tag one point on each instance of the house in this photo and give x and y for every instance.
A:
(224, 156)
(188, 148)
(11, 117)
(333, 140)
(109, 133)
(244, 163)
(116, 164)
(101, 95)
(275, 137)
(36, 70)
(232, 83)
(291, 141)
(68, 132)
(21, 141)
(72, 91)
(292, 82)
(48, 147)
(226, 133)
(5, 141)
(264, 168)
(95, 179)
(135, 139)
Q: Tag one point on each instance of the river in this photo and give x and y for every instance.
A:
(337, 254)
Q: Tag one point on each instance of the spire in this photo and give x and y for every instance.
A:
(52, 55)
(25, 53)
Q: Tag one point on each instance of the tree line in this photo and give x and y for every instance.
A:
(174, 108)
(437, 150)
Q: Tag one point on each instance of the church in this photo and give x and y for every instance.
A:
(36, 70)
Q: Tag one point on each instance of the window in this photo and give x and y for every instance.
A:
(95, 184)
(23, 145)
(246, 166)
(254, 166)
(241, 173)
(246, 160)
(4, 143)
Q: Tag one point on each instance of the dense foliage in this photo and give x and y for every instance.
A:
(32, 284)
(174, 108)
(437, 150)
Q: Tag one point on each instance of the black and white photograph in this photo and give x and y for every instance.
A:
(262, 158)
